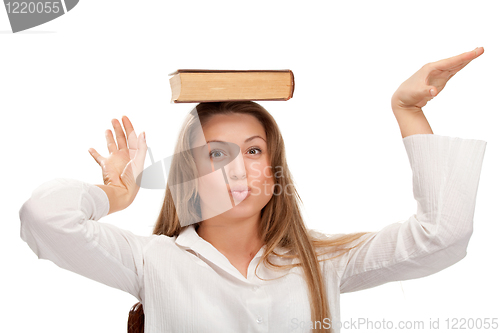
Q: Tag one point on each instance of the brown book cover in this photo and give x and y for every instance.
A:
(209, 85)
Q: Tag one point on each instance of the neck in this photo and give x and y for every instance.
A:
(233, 237)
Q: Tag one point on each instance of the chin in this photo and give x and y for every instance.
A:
(248, 207)
(242, 209)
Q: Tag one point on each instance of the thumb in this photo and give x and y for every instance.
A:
(424, 95)
(131, 175)
(432, 91)
(98, 158)
(127, 176)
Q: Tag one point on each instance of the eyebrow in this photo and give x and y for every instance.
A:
(247, 140)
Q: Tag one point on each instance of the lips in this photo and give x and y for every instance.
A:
(239, 192)
(239, 188)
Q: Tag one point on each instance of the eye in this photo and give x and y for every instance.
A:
(255, 149)
(216, 154)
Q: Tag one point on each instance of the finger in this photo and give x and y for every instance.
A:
(458, 60)
(458, 68)
(454, 70)
(120, 136)
(98, 158)
(131, 174)
(110, 141)
(140, 157)
(478, 52)
(131, 136)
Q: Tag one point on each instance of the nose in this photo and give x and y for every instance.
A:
(236, 169)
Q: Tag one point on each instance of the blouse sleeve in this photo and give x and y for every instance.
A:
(445, 181)
(60, 223)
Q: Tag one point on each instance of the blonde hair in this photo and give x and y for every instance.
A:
(281, 221)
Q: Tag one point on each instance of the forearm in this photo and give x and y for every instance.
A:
(411, 121)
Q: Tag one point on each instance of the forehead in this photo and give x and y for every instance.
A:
(235, 127)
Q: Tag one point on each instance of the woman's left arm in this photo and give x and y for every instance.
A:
(446, 174)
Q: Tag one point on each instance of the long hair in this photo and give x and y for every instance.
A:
(281, 222)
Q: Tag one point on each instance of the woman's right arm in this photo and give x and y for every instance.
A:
(60, 219)
(59, 222)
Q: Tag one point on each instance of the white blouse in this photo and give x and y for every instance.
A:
(187, 285)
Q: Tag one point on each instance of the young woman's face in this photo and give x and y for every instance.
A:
(234, 167)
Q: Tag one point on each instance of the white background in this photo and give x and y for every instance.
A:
(61, 83)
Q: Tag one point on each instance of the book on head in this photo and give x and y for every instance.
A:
(204, 85)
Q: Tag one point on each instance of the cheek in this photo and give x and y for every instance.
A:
(268, 173)
(213, 191)
(260, 176)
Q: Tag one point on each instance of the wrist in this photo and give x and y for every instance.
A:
(411, 121)
(118, 198)
(398, 106)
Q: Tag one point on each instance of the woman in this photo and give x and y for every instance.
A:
(230, 205)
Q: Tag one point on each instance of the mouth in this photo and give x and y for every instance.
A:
(240, 193)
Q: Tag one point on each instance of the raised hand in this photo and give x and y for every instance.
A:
(124, 164)
(430, 80)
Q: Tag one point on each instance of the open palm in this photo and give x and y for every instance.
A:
(430, 80)
(125, 162)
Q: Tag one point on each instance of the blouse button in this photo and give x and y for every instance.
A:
(259, 320)
(255, 288)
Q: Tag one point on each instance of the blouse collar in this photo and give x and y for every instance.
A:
(188, 238)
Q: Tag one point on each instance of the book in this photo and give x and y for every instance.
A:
(204, 85)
